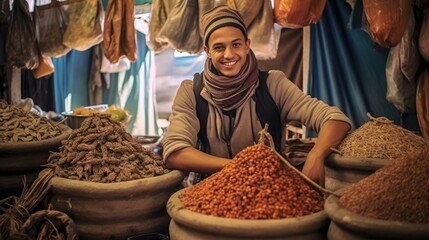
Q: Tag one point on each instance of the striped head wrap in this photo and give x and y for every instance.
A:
(220, 16)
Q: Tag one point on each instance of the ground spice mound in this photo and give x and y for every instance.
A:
(398, 191)
(380, 138)
(101, 150)
(254, 185)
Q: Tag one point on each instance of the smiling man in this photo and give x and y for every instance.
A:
(234, 92)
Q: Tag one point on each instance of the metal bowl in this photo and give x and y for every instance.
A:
(74, 121)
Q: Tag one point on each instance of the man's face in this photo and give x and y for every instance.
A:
(228, 50)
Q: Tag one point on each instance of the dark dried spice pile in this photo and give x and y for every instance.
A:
(254, 185)
(397, 192)
(18, 125)
(101, 150)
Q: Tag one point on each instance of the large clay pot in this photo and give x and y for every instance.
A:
(116, 210)
(342, 171)
(189, 225)
(24, 159)
(348, 225)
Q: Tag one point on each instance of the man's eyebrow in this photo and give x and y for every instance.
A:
(233, 41)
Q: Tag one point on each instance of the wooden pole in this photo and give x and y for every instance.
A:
(13, 85)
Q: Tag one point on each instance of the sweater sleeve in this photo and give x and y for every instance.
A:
(295, 105)
(184, 124)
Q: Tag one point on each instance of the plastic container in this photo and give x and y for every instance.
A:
(341, 171)
(189, 225)
(116, 210)
(24, 159)
(348, 225)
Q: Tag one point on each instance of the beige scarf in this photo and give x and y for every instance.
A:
(231, 92)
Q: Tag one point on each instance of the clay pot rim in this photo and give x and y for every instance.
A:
(243, 227)
(42, 145)
(100, 190)
(376, 227)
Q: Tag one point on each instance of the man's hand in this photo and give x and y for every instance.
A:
(314, 169)
(330, 135)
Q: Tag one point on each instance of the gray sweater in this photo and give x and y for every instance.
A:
(293, 105)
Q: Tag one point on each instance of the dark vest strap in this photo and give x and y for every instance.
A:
(266, 109)
(202, 112)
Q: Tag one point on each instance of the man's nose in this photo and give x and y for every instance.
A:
(229, 52)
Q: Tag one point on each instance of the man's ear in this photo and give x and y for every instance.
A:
(207, 50)
(248, 45)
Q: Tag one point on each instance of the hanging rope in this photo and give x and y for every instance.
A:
(264, 136)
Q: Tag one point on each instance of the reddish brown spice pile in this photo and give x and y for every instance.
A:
(397, 192)
(254, 185)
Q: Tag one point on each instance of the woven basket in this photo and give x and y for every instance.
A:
(24, 159)
(116, 210)
(186, 224)
(348, 225)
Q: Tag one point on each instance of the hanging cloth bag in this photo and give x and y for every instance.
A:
(424, 37)
(298, 13)
(264, 34)
(51, 23)
(45, 68)
(158, 16)
(121, 66)
(387, 20)
(181, 30)
(4, 19)
(119, 32)
(401, 67)
(4, 11)
(21, 45)
(84, 28)
(422, 103)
